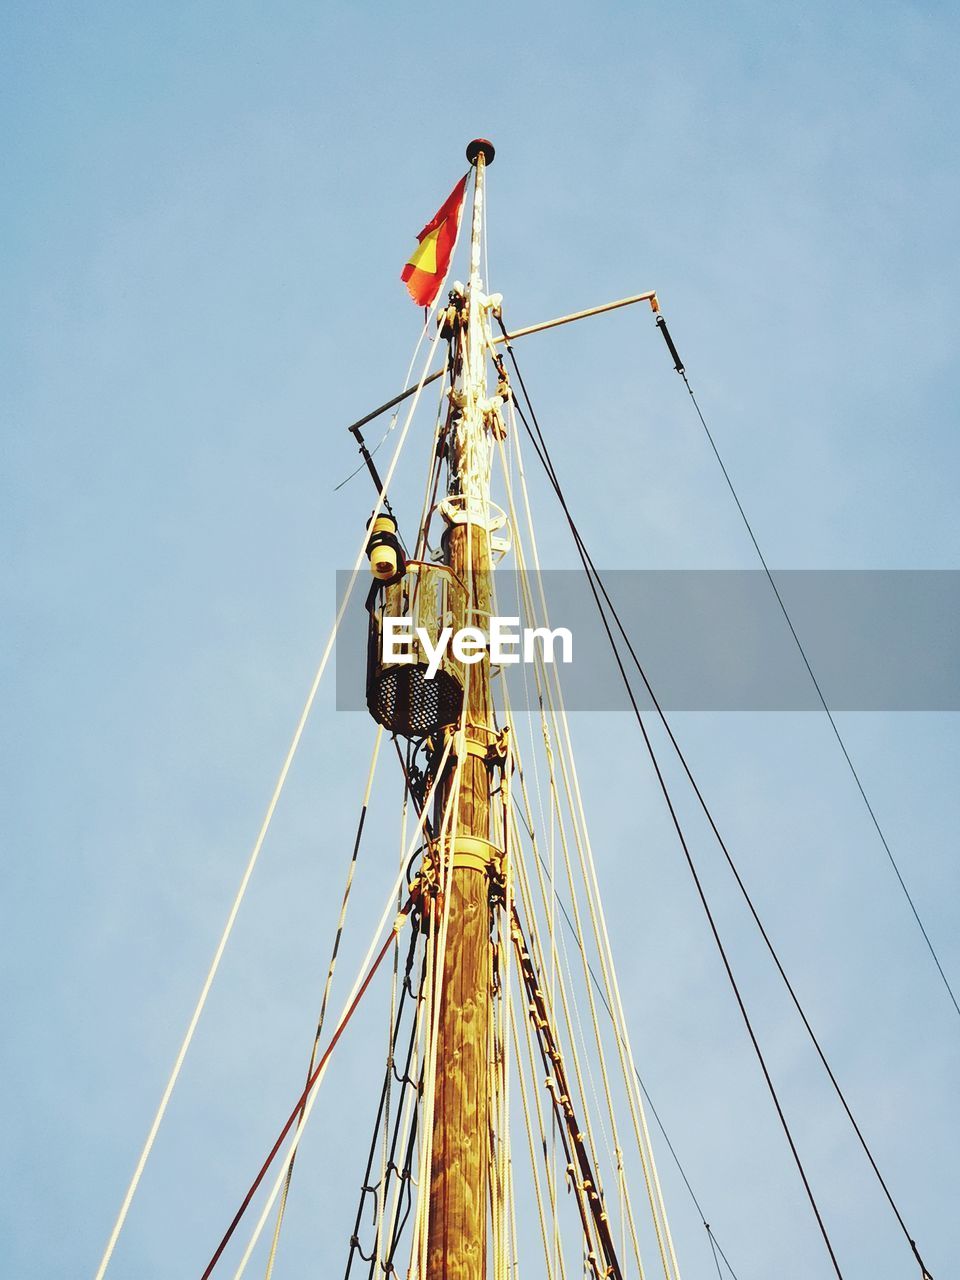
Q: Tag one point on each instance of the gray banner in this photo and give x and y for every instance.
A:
(716, 640)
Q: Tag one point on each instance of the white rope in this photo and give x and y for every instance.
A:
(515, 1236)
(321, 1017)
(361, 973)
(534, 1163)
(435, 980)
(555, 809)
(601, 935)
(406, 381)
(421, 548)
(567, 1000)
(544, 684)
(254, 855)
(506, 993)
(551, 705)
(449, 826)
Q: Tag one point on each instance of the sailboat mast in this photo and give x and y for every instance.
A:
(457, 1239)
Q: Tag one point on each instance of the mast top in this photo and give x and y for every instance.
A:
(480, 147)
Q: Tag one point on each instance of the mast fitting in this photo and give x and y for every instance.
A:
(480, 147)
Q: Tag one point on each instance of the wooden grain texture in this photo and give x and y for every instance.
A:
(458, 1185)
(457, 1240)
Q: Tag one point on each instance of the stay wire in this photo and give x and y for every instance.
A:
(640, 1081)
(713, 1249)
(355, 1238)
(298, 1108)
(816, 684)
(546, 461)
(253, 857)
(722, 950)
(328, 984)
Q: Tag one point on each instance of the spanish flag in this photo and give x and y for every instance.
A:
(427, 266)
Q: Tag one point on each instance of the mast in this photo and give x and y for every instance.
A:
(457, 1234)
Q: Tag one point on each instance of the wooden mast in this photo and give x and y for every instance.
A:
(457, 1234)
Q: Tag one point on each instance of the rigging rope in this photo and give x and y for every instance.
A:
(597, 918)
(505, 1208)
(567, 1001)
(534, 1164)
(432, 985)
(378, 1122)
(501, 1171)
(594, 577)
(311, 1100)
(646, 1093)
(338, 937)
(678, 365)
(254, 854)
(567, 996)
(576, 1150)
(298, 1114)
(544, 456)
(354, 429)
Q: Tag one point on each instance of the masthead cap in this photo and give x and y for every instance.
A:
(480, 147)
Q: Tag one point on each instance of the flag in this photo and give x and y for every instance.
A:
(425, 271)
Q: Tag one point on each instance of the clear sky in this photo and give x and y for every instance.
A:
(205, 211)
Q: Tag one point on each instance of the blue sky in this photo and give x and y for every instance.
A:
(205, 211)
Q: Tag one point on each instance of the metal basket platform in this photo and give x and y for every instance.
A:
(399, 695)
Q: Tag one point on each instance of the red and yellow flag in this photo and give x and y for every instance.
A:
(427, 266)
